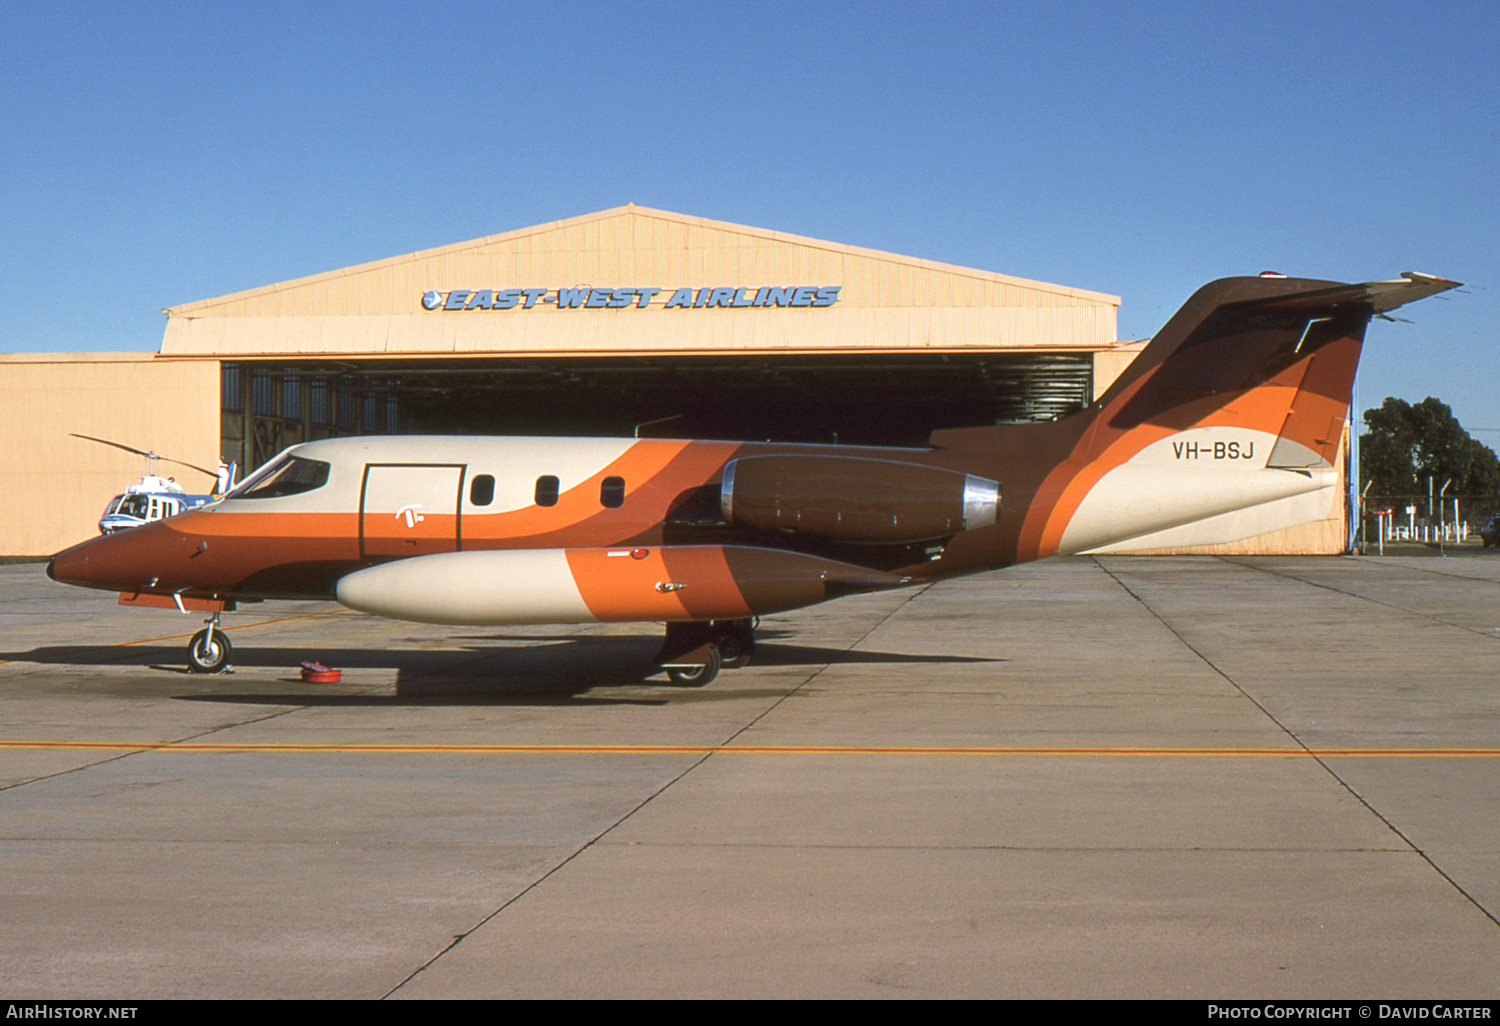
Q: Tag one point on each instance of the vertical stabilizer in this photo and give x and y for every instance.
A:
(1239, 401)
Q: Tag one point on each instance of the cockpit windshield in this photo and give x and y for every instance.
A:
(290, 476)
(130, 505)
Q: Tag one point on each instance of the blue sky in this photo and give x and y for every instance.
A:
(152, 155)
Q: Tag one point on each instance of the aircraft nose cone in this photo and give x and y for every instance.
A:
(69, 566)
(125, 561)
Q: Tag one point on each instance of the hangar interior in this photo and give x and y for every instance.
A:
(860, 399)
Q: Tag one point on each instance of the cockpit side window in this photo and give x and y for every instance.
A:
(295, 476)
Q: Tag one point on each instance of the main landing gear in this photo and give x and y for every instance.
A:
(210, 649)
(693, 653)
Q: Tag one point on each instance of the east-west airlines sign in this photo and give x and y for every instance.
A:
(588, 297)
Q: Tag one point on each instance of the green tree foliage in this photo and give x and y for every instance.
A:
(1405, 444)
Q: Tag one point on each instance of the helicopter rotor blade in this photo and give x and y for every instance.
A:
(192, 466)
(117, 445)
(143, 452)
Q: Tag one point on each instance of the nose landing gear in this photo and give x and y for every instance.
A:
(210, 648)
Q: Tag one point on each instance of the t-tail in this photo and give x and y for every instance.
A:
(1228, 424)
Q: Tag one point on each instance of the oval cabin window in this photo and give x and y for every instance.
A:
(612, 492)
(546, 490)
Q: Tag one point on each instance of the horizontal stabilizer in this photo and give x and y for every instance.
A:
(1382, 296)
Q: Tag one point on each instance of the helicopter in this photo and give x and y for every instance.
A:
(154, 497)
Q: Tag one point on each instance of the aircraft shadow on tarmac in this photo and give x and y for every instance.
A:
(484, 670)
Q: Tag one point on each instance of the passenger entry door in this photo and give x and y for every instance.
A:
(410, 509)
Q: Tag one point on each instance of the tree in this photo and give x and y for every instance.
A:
(1406, 444)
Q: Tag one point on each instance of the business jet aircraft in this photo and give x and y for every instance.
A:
(1238, 404)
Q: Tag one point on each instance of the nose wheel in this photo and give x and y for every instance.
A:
(210, 649)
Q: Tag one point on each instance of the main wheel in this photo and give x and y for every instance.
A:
(735, 641)
(696, 676)
(209, 656)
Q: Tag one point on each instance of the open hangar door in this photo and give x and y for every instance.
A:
(850, 399)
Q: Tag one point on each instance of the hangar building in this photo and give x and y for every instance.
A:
(628, 321)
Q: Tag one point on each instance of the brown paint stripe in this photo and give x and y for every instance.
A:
(1212, 753)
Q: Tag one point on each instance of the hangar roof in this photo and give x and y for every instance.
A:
(644, 260)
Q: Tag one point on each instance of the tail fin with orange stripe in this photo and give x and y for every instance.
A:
(1238, 402)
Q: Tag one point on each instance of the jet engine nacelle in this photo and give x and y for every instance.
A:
(677, 583)
(853, 499)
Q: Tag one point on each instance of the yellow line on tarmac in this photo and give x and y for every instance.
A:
(189, 634)
(625, 749)
(226, 630)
